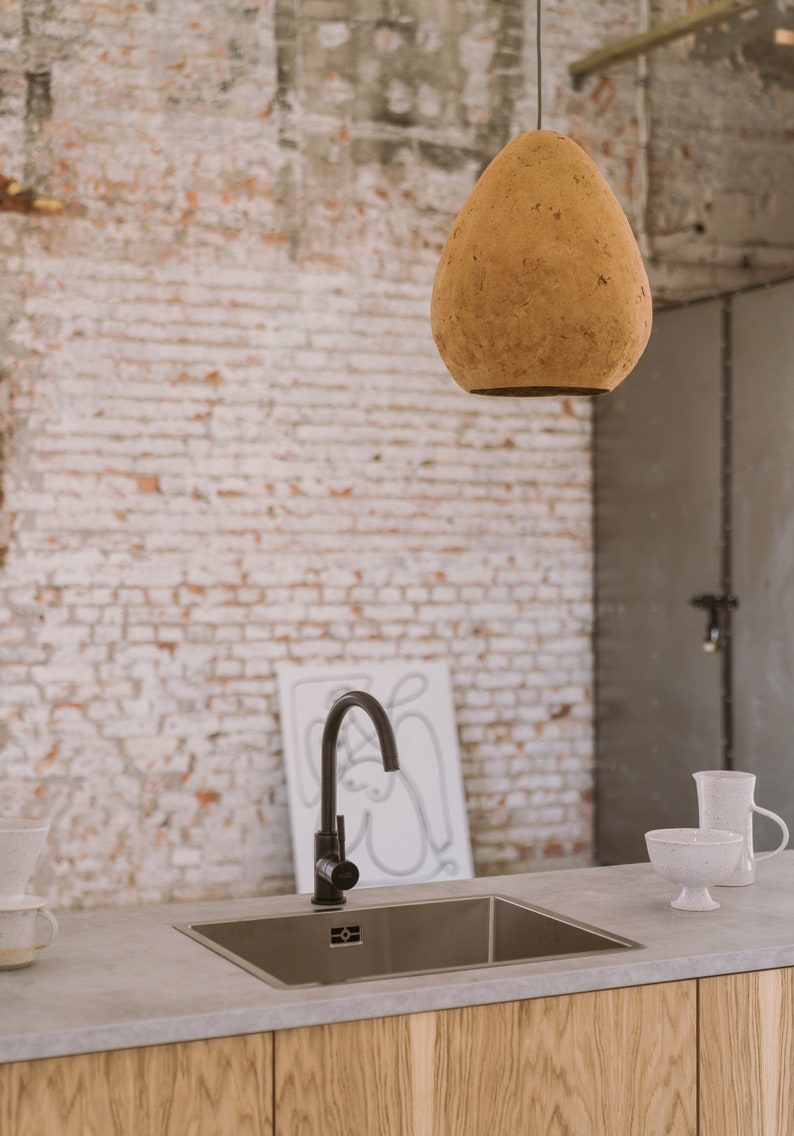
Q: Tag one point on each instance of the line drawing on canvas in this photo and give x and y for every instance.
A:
(406, 826)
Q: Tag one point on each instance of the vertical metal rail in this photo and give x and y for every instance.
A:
(726, 533)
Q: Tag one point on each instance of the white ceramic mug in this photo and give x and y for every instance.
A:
(19, 935)
(21, 842)
(726, 800)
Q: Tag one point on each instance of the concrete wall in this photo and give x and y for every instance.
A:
(227, 438)
(721, 162)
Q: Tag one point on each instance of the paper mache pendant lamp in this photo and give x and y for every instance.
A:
(541, 288)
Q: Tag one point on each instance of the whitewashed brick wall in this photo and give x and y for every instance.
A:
(228, 439)
(183, 519)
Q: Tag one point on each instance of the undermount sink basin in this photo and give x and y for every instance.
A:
(320, 947)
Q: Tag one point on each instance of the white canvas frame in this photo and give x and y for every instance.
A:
(404, 827)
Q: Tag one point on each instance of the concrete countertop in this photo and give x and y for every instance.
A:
(121, 977)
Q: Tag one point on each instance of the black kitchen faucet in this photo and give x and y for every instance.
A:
(333, 874)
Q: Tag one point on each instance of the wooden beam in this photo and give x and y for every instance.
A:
(664, 33)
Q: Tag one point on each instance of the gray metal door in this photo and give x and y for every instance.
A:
(657, 510)
(763, 546)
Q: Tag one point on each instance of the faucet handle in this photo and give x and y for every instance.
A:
(333, 874)
(339, 873)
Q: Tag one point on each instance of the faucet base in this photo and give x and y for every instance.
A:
(333, 874)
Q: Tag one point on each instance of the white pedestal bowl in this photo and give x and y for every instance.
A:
(695, 858)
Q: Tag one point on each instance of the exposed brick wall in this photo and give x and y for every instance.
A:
(234, 442)
(230, 439)
(185, 516)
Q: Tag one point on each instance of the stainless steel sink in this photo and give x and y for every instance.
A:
(314, 948)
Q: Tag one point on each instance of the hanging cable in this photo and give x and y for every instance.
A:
(540, 67)
(640, 180)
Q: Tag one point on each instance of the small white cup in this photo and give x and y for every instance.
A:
(19, 938)
(21, 842)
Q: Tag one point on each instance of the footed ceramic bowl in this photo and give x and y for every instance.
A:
(695, 858)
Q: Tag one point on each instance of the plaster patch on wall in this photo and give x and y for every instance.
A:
(748, 43)
(333, 33)
(5, 426)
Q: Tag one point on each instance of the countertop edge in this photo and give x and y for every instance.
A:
(231, 1023)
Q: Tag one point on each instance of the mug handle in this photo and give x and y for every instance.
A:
(53, 928)
(777, 820)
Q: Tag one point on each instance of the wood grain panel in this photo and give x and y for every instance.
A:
(350, 1077)
(220, 1087)
(610, 1063)
(746, 1054)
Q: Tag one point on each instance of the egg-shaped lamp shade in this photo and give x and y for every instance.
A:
(540, 288)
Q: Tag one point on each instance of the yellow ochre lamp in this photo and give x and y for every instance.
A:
(541, 288)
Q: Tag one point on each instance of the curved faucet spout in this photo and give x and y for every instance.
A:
(333, 723)
(333, 874)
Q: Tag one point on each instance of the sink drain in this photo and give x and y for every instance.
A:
(351, 935)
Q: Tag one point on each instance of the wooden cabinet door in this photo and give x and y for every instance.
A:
(221, 1087)
(609, 1063)
(747, 1054)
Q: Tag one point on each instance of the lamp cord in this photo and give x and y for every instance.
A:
(640, 177)
(540, 68)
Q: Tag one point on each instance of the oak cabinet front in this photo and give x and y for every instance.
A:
(221, 1087)
(747, 1054)
(610, 1063)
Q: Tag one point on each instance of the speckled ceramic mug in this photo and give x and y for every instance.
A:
(19, 936)
(21, 842)
(726, 800)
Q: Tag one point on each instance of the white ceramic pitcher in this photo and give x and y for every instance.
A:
(725, 800)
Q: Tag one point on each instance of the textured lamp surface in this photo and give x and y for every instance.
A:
(541, 288)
